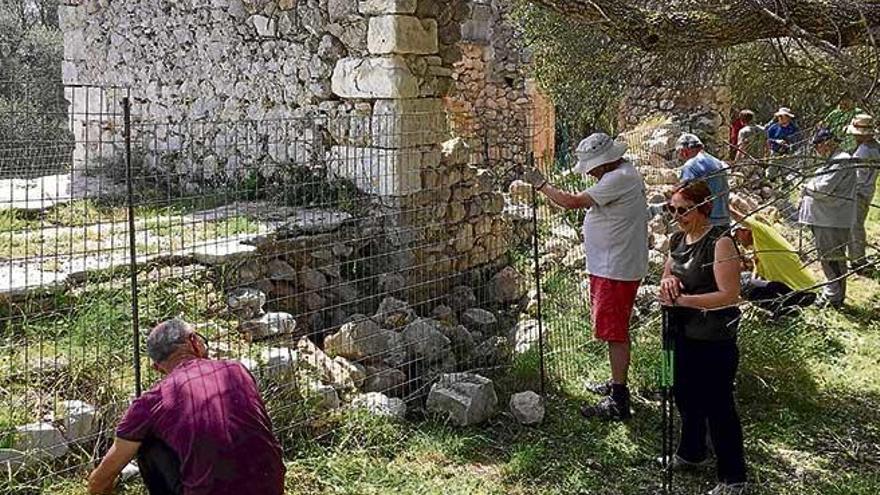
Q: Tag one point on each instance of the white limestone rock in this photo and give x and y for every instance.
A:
(380, 405)
(268, 325)
(402, 34)
(463, 398)
(383, 7)
(527, 407)
(385, 77)
(407, 123)
(78, 420)
(42, 440)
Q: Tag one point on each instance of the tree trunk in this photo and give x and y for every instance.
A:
(687, 24)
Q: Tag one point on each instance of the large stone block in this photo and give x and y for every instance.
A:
(387, 77)
(464, 398)
(401, 34)
(42, 439)
(407, 123)
(380, 171)
(383, 7)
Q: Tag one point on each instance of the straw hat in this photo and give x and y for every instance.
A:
(861, 125)
(596, 150)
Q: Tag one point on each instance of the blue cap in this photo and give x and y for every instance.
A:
(822, 135)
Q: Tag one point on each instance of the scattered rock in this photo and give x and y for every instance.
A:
(507, 286)
(394, 313)
(443, 313)
(362, 340)
(424, 340)
(42, 439)
(479, 319)
(391, 282)
(281, 270)
(78, 420)
(380, 405)
(312, 279)
(527, 407)
(464, 398)
(268, 325)
(325, 396)
(246, 302)
(461, 298)
(384, 379)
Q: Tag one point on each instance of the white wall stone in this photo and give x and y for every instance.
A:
(386, 77)
(382, 7)
(401, 34)
(408, 123)
(383, 172)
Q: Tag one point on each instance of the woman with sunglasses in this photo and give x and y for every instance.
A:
(700, 287)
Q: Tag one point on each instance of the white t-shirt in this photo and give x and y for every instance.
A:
(616, 228)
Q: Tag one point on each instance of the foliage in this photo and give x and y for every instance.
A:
(586, 72)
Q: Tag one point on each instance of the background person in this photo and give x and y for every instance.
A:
(203, 429)
(751, 145)
(615, 234)
(838, 120)
(701, 286)
(700, 165)
(868, 153)
(783, 134)
(828, 208)
(778, 281)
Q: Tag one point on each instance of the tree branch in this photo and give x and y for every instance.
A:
(706, 24)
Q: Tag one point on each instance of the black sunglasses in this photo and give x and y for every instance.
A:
(678, 210)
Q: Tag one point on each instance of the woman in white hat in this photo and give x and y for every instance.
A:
(782, 136)
(868, 153)
(616, 242)
(783, 133)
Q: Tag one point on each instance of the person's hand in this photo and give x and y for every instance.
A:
(670, 289)
(665, 300)
(534, 177)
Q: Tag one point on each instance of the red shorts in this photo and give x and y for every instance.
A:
(611, 305)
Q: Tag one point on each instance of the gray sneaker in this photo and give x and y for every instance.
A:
(598, 388)
(729, 489)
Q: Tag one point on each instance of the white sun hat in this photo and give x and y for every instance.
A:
(784, 111)
(597, 149)
(688, 141)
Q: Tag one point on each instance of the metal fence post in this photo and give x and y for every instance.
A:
(132, 248)
(531, 164)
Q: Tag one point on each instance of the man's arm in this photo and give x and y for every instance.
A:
(566, 199)
(103, 478)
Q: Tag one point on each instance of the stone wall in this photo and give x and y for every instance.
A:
(494, 103)
(703, 111)
(225, 90)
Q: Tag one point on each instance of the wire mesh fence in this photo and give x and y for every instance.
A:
(335, 256)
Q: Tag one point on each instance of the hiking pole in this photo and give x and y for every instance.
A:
(666, 381)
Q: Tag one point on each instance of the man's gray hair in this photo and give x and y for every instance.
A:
(166, 338)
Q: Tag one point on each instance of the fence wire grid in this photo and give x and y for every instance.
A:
(333, 255)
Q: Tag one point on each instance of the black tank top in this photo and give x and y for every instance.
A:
(693, 264)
